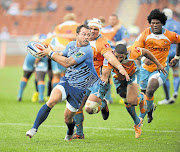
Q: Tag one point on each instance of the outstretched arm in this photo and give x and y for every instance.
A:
(114, 62)
(150, 56)
(176, 57)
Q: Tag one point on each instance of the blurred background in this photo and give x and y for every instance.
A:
(20, 20)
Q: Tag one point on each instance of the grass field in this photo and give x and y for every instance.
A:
(113, 135)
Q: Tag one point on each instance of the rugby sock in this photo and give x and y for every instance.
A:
(176, 82)
(49, 88)
(102, 105)
(22, 86)
(131, 110)
(108, 95)
(79, 118)
(41, 116)
(149, 101)
(166, 87)
(70, 128)
(140, 98)
(41, 87)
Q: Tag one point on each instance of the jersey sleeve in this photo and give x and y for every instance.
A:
(175, 38)
(140, 40)
(103, 46)
(134, 52)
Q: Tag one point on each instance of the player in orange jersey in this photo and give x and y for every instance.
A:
(157, 40)
(101, 51)
(129, 90)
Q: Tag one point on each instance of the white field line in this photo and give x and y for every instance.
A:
(100, 128)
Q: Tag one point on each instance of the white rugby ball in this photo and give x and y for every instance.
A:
(33, 48)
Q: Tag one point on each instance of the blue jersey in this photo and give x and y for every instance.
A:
(174, 26)
(82, 75)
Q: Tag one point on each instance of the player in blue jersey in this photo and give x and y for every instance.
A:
(30, 65)
(174, 26)
(80, 74)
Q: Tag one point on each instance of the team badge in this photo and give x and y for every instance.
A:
(79, 54)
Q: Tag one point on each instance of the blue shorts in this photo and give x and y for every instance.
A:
(29, 64)
(98, 90)
(57, 68)
(121, 85)
(74, 95)
(146, 75)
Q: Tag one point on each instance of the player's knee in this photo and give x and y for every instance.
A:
(52, 102)
(68, 120)
(132, 102)
(91, 107)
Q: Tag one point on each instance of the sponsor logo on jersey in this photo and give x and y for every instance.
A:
(79, 54)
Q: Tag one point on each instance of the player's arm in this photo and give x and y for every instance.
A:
(64, 61)
(150, 56)
(114, 62)
(176, 57)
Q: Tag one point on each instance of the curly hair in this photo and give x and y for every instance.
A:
(157, 14)
(121, 49)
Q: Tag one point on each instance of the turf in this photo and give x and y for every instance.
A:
(114, 134)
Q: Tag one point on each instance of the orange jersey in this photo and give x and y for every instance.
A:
(128, 64)
(157, 44)
(67, 27)
(99, 46)
(108, 33)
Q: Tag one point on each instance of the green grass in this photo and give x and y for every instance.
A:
(114, 134)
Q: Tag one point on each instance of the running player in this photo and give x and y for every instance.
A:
(80, 74)
(129, 90)
(158, 41)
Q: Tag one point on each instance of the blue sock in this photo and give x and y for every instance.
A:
(166, 87)
(102, 105)
(79, 123)
(70, 128)
(41, 116)
(140, 97)
(149, 106)
(21, 89)
(131, 110)
(41, 91)
(176, 82)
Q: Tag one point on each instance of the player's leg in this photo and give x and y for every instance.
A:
(68, 119)
(36, 93)
(23, 84)
(57, 94)
(95, 101)
(41, 85)
(79, 118)
(49, 84)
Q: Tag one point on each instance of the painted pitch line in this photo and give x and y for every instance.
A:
(100, 128)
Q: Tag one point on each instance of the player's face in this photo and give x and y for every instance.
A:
(120, 57)
(156, 26)
(94, 32)
(83, 37)
(113, 20)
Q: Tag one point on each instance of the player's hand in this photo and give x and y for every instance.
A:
(173, 62)
(147, 61)
(44, 51)
(161, 68)
(123, 72)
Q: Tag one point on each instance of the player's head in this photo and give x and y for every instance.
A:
(168, 12)
(70, 17)
(120, 52)
(95, 27)
(113, 20)
(157, 19)
(82, 35)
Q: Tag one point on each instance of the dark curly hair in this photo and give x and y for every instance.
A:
(157, 14)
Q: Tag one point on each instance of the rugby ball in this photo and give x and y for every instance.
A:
(34, 47)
